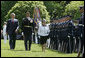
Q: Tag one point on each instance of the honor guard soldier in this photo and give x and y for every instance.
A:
(27, 26)
(81, 27)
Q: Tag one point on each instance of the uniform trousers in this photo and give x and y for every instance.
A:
(28, 37)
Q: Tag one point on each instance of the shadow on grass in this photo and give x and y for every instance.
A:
(21, 50)
(5, 49)
(57, 51)
(12, 50)
(36, 51)
(18, 50)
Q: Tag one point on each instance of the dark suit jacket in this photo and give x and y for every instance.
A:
(11, 27)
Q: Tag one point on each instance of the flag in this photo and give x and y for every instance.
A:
(36, 15)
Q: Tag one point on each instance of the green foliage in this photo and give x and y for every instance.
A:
(59, 10)
(5, 7)
(56, 8)
(23, 6)
(73, 9)
(48, 9)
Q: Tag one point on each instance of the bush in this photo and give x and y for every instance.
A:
(56, 8)
(73, 9)
(5, 7)
(23, 6)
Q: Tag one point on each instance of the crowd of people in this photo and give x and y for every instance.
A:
(62, 36)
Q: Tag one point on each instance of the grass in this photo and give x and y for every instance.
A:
(36, 51)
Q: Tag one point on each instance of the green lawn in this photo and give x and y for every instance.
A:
(36, 51)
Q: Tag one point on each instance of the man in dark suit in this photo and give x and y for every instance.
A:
(12, 27)
(27, 27)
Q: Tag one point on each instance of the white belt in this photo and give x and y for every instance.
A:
(81, 25)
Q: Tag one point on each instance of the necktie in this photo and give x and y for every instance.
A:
(13, 21)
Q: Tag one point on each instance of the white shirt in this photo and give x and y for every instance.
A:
(43, 30)
(29, 18)
(40, 23)
(18, 23)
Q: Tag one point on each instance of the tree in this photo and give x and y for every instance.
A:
(56, 8)
(5, 7)
(73, 9)
(23, 6)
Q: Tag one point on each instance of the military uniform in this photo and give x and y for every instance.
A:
(59, 36)
(77, 36)
(81, 31)
(27, 28)
(71, 35)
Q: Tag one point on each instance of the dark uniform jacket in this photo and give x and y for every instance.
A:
(26, 22)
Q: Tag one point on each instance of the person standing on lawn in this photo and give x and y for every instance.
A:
(4, 32)
(27, 28)
(11, 29)
(43, 32)
(81, 30)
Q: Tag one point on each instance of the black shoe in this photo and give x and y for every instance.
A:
(29, 49)
(11, 49)
(26, 50)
